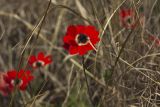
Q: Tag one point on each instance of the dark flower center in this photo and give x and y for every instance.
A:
(38, 64)
(16, 81)
(82, 38)
(129, 20)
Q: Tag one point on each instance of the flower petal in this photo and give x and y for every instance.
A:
(40, 56)
(73, 50)
(12, 74)
(23, 86)
(67, 39)
(66, 46)
(82, 50)
(71, 30)
(92, 33)
(32, 59)
(80, 29)
(48, 59)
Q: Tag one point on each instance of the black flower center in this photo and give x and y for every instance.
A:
(129, 20)
(38, 64)
(81, 38)
(16, 81)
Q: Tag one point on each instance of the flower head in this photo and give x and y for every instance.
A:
(127, 18)
(80, 39)
(19, 79)
(39, 61)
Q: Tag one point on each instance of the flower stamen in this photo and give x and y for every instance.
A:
(82, 39)
(129, 20)
(38, 64)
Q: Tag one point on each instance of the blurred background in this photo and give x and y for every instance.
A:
(136, 78)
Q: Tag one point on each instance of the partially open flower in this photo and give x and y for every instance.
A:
(39, 61)
(80, 39)
(19, 79)
(127, 18)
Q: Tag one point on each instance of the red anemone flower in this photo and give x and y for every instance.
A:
(19, 79)
(3, 85)
(40, 60)
(80, 39)
(127, 18)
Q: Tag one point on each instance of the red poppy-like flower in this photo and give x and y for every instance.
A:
(3, 85)
(155, 39)
(80, 39)
(127, 18)
(19, 79)
(40, 60)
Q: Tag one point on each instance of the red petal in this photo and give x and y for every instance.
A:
(27, 77)
(71, 30)
(68, 38)
(23, 86)
(21, 73)
(80, 29)
(32, 59)
(73, 50)
(122, 13)
(89, 47)
(95, 40)
(126, 13)
(130, 12)
(48, 59)
(40, 56)
(12, 74)
(92, 33)
(66, 46)
(70, 35)
(30, 76)
(82, 50)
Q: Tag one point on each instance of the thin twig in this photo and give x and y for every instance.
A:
(87, 84)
